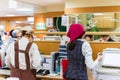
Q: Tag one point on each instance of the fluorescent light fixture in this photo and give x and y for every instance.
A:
(10, 15)
(98, 14)
(24, 9)
(18, 27)
(12, 4)
(30, 19)
(108, 17)
(18, 22)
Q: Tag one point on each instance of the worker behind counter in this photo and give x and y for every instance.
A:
(88, 37)
(11, 38)
(105, 38)
(23, 56)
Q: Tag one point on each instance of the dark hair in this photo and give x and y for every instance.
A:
(71, 45)
(90, 36)
(24, 33)
(11, 33)
(5, 33)
(104, 35)
(0, 37)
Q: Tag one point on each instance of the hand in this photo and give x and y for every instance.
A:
(100, 57)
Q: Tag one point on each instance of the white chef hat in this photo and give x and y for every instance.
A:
(28, 29)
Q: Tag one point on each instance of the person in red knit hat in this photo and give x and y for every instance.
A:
(79, 55)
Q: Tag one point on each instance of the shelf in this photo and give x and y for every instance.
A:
(63, 33)
(47, 41)
(87, 33)
(102, 33)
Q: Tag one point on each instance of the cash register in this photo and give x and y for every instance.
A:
(110, 66)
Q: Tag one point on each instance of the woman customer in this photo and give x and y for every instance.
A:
(23, 56)
(79, 54)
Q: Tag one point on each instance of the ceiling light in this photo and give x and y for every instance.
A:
(12, 4)
(98, 14)
(18, 22)
(30, 19)
(24, 9)
(10, 15)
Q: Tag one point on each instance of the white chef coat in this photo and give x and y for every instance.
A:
(4, 48)
(34, 54)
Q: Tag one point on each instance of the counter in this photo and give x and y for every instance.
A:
(6, 73)
(46, 47)
(50, 46)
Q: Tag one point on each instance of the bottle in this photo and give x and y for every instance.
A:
(57, 66)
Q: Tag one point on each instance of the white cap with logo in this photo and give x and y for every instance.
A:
(28, 29)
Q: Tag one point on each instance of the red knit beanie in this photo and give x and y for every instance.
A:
(75, 31)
